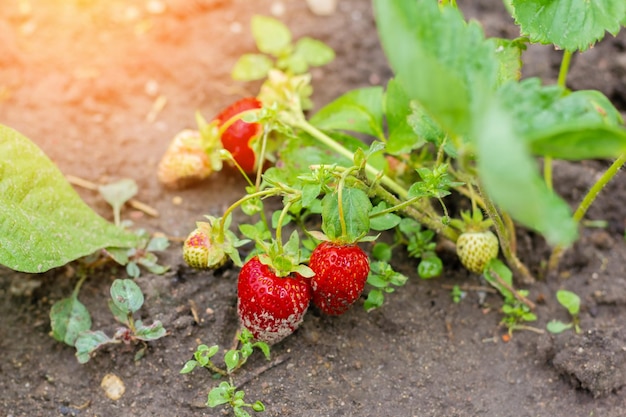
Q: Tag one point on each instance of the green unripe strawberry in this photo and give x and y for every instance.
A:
(200, 253)
(476, 249)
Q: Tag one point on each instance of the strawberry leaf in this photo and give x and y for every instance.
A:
(579, 125)
(402, 138)
(569, 24)
(433, 51)
(358, 110)
(356, 207)
(510, 177)
(43, 222)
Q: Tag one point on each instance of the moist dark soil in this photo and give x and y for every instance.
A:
(103, 85)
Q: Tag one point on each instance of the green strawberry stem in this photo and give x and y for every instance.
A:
(584, 205)
(279, 224)
(229, 156)
(301, 123)
(259, 194)
(342, 181)
(504, 233)
(561, 81)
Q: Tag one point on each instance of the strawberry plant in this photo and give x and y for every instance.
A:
(456, 127)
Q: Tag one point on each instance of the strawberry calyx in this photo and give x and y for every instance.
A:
(224, 243)
(472, 222)
(284, 260)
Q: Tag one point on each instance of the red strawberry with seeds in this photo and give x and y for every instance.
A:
(237, 137)
(269, 306)
(341, 271)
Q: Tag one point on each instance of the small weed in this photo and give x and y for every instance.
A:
(71, 321)
(571, 302)
(226, 392)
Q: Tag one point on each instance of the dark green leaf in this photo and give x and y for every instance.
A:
(68, 318)
(375, 299)
(579, 140)
(358, 110)
(385, 221)
(356, 207)
(402, 137)
(126, 295)
(382, 252)
(43, 221)
(510, 177)
(569, 24)
(430, 266)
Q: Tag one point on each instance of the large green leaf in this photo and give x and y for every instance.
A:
(43, 221)
(569, 24)
(510, 177)
(443, 62)
(359, 110)
(579, 125)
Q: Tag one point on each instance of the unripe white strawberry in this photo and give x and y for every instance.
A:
(200, 253)
(476, 249)
(185, 162)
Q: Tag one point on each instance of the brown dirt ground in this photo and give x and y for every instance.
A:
(80, 78)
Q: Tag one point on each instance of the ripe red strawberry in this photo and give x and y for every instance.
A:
(236, 138)
(199, 253)
(269, 306)
(340, 275)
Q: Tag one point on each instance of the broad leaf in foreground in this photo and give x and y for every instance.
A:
(43, 221)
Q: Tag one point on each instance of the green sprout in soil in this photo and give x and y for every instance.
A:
(71, 321)
(226, 392)
(571, 302)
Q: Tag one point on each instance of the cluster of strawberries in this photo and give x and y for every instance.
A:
(270, 306)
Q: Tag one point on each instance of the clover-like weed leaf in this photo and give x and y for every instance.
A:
(43, 221)
(89, 341)
(68, 318)
(146, 333)
(126, 295)
(221, 394)
(569, 24)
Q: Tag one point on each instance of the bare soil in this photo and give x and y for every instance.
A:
(81, 79)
